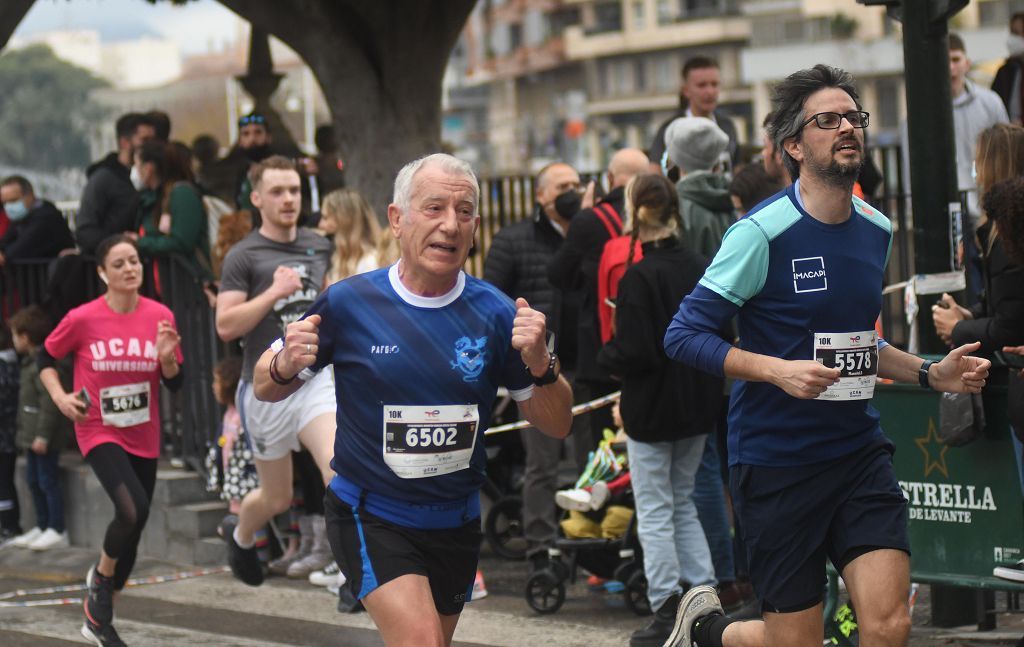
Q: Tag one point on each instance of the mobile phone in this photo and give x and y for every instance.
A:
(1010, 360)
(942, 304)
(84, 395)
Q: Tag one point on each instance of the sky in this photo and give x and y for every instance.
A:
(198, 27)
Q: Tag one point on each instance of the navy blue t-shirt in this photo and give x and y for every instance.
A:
(416, 379)
(787, 276)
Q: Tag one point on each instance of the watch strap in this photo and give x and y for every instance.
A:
(922, 374)
(550, 375)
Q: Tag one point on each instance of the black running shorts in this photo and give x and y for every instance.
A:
(372, 551)
(792, 518)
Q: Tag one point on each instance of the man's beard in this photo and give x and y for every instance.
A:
(837, 174)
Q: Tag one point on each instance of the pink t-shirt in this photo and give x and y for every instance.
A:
(116, 362)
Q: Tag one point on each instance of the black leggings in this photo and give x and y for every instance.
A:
(129, 481)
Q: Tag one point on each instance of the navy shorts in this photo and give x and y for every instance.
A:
(792, 518)
(372, 551)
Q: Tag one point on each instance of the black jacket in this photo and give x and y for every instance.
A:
(517, 264)
(42, 233)
(999, 318)
(1005, 82)
(722, 119)
(109, 204)
(574, 269)
(662, 400)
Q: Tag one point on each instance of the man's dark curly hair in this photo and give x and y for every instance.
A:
(1004, 206)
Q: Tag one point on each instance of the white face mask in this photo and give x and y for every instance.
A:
(136, 178)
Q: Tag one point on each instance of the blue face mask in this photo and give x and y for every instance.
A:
(15, 210)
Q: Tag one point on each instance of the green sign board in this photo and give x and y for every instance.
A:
(965, 504)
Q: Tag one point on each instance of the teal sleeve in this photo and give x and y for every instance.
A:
(740, 268)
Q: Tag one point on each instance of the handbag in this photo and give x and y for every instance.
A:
(961, 418)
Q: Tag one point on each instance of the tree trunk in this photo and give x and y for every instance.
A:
(11, 15)
(380, 65)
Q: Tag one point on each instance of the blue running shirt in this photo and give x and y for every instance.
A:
(787, 276)
(415, 379)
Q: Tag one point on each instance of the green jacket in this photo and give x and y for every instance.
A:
(707, 211)
(38, 416)
(188, 237)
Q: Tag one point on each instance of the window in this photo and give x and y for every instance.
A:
(888, 103)
(666, 12)
(515, 36)
(638, 14)
(639, 76)
(607, 17)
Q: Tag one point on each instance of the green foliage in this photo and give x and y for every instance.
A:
(45, 111)
(843, 26)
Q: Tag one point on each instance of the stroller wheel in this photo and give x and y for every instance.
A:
(503, 528)
(636, 593)
(544, 592)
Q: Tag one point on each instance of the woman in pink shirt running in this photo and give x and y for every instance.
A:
(123, 344)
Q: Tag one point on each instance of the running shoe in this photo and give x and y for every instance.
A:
(102, 635)
(599, 494)
(574, 499)
(244, 562)
(99, 611)
(1013, 573)
(700, 601)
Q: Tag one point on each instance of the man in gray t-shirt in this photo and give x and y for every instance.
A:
(269, 280)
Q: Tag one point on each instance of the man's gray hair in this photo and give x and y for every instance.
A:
(404, 181)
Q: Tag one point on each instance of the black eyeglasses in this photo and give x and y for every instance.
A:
(253, 118)
(833, 120)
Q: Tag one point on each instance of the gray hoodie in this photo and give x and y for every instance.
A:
(707, 211)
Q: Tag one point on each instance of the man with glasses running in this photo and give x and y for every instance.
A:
(810, 471)
(418, 351)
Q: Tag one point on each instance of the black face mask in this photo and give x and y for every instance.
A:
(257, 153)
(568, 204)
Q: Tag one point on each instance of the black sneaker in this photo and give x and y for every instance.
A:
(101, 635)
(656, 633)
(99, 599)
(244, 562)
(1013, 573)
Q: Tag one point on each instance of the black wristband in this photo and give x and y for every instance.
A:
(922, 374)
(550, 376)
(275, 376)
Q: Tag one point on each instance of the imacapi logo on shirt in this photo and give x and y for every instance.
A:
(809, 274)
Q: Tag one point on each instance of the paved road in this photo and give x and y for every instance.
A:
(217, 610)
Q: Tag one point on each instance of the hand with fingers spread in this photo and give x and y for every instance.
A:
(529, 337)
(301, 343)
(958, 372)
(804, 379)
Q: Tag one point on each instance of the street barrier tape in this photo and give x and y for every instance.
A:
(138, 581)
(579, 409)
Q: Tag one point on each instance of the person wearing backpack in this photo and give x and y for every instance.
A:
(573, 268)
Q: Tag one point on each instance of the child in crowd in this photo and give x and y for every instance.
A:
(42, 432)
(9, 513)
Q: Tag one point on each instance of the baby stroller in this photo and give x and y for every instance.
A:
(612, 558)
(618, 559)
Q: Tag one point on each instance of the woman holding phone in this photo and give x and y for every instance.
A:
(123, 345)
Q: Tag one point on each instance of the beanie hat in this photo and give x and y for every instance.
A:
(695, 143)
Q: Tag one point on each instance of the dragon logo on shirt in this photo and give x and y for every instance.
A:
(470, 357)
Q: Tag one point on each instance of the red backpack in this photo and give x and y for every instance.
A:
(609, 273)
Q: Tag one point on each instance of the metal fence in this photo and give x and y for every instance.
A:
(190, 416)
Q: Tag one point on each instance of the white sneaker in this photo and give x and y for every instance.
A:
(599, 494)
(327, 576)
(22, 541)
(575, 499)
(50, 539)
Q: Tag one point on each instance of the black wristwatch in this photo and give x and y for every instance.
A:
(550, 376)
(922, 374)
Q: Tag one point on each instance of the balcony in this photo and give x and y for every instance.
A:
(580, 45)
